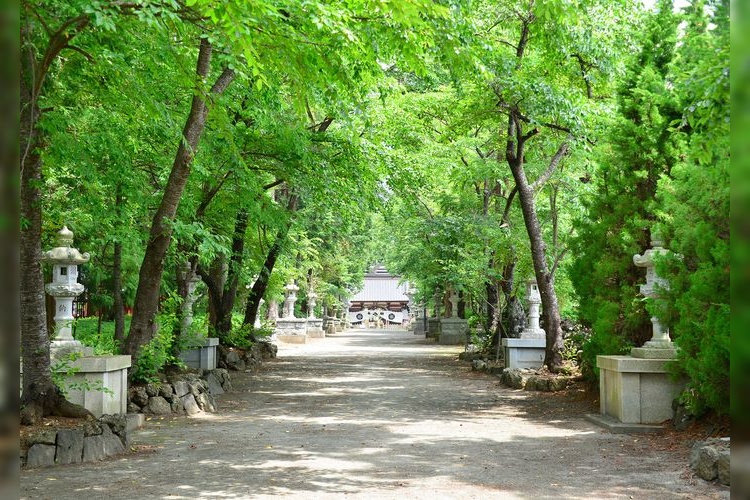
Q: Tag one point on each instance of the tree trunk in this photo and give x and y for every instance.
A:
(40, 395)
(259, 288)
(514, 155)
(223, 281)
(545, 279)
(119, 304)
(143, 324)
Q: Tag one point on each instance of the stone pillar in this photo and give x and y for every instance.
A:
(452, 330)
(660, 346)
(290, 328)
(291, 298)
(64, 288)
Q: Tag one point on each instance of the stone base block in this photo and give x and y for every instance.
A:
(201, 357)
(524, 353)
(419, 327)
(433, 328)
(453, 331)
(315, 328)
(292, 338)
(291, 326)
(99, 384)
(636, 390)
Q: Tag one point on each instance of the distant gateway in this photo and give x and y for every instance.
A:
(382, 299)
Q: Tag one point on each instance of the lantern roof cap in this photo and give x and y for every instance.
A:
(64, 253)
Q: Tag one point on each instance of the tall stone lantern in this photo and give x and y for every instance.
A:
(288, 327)
(533, 330)
(660, 345)
(64, 288)
(291, 298)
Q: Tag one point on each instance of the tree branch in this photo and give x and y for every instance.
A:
(561, 152)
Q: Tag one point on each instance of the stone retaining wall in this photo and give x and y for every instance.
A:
(182, 393)
(233, 358)
(94, 440)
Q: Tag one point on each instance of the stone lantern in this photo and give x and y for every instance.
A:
(660, 345)
(636, 392)
(314, 325)
(452, 330)
(64, 288)
(528, 350)
(291, 298)
(288, 327)
(311, 301)
(533, 330)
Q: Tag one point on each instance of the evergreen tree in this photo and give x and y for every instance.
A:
(620, 211)
(695, 211)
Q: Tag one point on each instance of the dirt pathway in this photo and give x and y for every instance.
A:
(377, 414)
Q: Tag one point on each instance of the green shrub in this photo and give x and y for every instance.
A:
(158, 353)
(600, 343)
(86, 331)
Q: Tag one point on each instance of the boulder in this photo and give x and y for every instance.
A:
(190, 405)
(117, 423)
(69, 446)
(234, 362)
(138, 395)
(165, 391)
(512, 378)
(722, 467)
(214, 385)
(113, 444)
(93, 449)
(478, 365)
(181, 388)
(158, 406)
(152, 389)
(41, 455)
(206, 402)
(177, 406)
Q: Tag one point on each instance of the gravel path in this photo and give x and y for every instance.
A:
(377, 414)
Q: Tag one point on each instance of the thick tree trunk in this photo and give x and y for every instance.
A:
(259, 288)
(143, 325)
(40, 395)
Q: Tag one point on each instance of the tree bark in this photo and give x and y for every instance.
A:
(259, 288)
(545, 279)
(40, 395)
(143, 324)
(514, 155)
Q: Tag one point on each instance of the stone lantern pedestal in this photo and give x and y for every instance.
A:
(635, 392)
(452, 330)
(528, 350)
(289, 328)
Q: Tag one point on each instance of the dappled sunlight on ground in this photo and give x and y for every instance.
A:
(371, 414)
